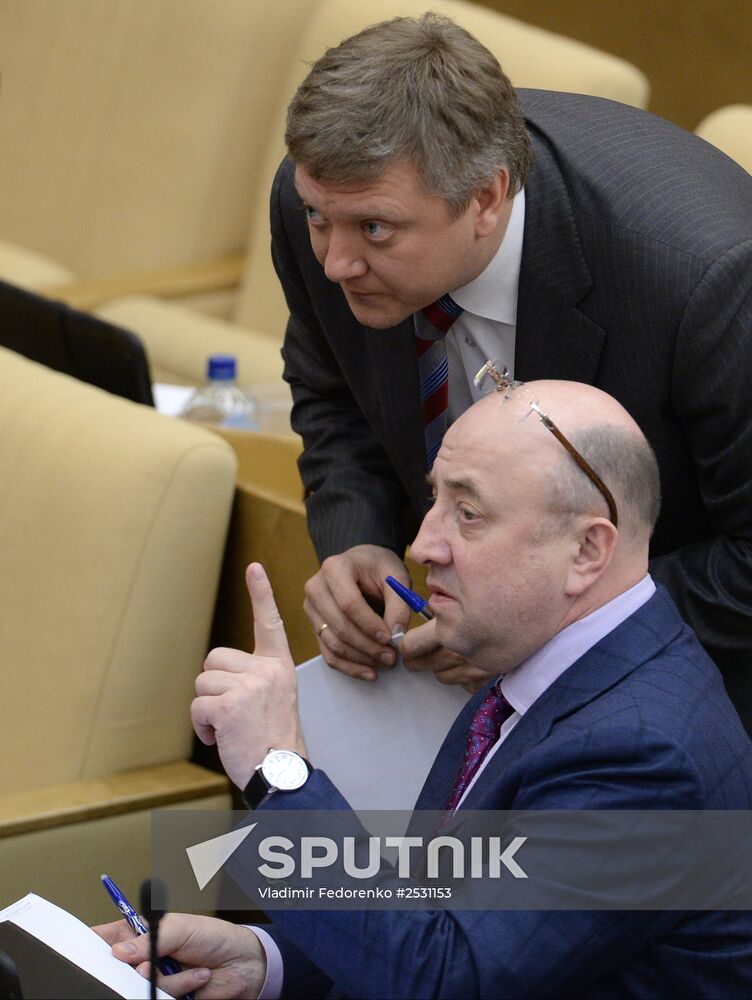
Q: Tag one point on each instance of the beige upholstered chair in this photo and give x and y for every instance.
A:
(132, 133)
(145, 136)
(730, 129)
(113, 520)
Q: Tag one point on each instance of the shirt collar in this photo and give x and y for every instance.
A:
(493, 294)
(527, 682)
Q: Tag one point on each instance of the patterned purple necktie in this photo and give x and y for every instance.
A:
(433, 370)
(484, 732)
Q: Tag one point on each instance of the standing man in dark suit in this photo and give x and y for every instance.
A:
(578, 239)
(601, 699)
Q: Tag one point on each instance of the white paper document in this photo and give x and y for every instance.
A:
(170, 399)
(71, 938)
(376, 740)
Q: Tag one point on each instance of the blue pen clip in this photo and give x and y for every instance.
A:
(167, 966)
(413, 600)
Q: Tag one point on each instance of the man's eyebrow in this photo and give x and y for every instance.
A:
(463, 486)
(456, 485)
(360, 212)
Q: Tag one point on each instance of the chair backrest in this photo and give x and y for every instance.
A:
(142, 135)
(530, 56)
(112, 527)
(75, 343)
(730, 129)
(131, 131)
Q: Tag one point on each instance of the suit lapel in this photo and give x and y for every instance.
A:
(438, 784)
(391, 365)
(554, 338)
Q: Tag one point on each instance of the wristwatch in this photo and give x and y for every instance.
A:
(279, 771)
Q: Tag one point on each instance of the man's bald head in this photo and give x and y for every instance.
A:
(599, 428)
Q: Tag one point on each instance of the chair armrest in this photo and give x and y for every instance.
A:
(267, 463)
(80, 801)
(167, 283)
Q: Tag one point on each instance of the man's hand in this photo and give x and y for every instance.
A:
(421, 651)
(220, 960)
(356, 639)
(249, 702)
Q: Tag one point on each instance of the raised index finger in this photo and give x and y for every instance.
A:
(268, 628)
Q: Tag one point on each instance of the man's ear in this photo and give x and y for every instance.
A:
(491, 204)
(596, 542)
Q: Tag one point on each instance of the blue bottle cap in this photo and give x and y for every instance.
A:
(221, 367)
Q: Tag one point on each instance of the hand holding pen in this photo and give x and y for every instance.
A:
(167, 966)
(219, 959)
(421, 650)
(340, 600)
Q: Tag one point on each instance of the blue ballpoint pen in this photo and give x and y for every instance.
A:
(413, 600)
(167, 966)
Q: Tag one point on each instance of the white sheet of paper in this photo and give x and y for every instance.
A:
(170, 399)
(71, 938)
(376, 740)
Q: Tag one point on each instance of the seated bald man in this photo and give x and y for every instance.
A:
(537, 548)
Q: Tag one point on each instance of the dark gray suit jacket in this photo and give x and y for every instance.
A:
(636, 277)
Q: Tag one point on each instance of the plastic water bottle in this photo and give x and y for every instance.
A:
(220, 401)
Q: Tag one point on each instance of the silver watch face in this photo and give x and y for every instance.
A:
(285, 770)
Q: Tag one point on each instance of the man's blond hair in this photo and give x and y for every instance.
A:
(421, 90)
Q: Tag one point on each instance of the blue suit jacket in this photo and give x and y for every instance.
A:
(641, 721)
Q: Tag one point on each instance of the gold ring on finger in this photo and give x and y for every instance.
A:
(321, 628)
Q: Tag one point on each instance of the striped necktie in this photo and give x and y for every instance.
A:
(433, 369)
(484, 732)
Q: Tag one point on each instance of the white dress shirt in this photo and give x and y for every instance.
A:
(487, 328)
